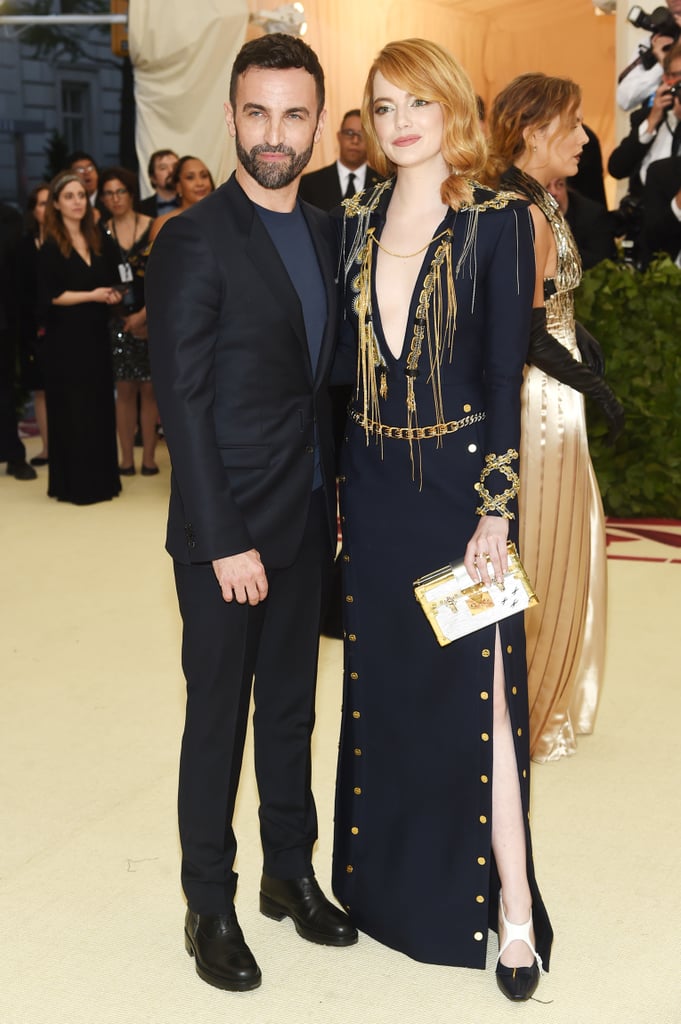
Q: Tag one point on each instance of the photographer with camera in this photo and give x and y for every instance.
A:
(655, 132)
(642, 76)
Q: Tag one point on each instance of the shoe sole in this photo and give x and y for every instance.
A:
(216, 980)
(269, 908)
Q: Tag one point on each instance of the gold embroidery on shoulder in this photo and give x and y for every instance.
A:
(497, 200)
(498, 502)
(366, 201)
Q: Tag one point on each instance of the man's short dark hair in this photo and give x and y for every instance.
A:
(281, 52)
(80, 154)
(156, 155)
(672, 54)
(350, 113)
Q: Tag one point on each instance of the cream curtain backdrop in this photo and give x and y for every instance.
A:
(493, 39)
(182, 54)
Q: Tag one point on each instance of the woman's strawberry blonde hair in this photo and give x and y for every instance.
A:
(427, 71)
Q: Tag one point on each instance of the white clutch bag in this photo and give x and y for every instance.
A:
(455, 606)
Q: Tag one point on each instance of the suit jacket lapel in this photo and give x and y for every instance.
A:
(322, 232)
(262, 252)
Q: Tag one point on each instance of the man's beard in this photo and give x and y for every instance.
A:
(277, 174)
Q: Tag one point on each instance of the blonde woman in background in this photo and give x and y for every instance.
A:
(536, 135)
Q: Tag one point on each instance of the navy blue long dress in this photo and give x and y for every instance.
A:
(413, 862)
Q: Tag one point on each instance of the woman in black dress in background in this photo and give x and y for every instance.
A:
(77, 270)
(433, 789)
(129, 231)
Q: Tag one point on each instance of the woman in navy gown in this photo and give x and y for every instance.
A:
(77, 267)
(433, 788)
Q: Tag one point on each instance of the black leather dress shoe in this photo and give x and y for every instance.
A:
(21, 470)
(222, 957)
(315, 918)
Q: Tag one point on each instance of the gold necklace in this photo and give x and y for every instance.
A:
(408, 256)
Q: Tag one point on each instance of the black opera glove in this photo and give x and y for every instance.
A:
(547, 353)
(589, 349)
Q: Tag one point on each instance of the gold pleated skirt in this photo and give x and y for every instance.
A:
(562, 538)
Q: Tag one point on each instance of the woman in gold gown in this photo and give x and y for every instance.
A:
(536, 135)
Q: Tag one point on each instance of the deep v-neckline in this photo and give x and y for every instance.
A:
(81, 257)
(383, 345)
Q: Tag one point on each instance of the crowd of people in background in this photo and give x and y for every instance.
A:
(73, 298)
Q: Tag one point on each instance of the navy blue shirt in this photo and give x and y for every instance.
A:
(291, 236)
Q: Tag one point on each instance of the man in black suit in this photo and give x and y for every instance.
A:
(12, 450)
(242, 313)
(350, 173)
(592, 226)
(662, 208)
(165, 198)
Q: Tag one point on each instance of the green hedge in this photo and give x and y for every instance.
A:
(637, 319)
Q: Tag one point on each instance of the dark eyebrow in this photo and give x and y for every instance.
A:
(291, 110)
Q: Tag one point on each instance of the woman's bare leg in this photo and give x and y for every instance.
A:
(148, 421)
(126, 419)
(508, 827)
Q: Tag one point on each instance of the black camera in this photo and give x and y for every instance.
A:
(660, 22)
(675, 90)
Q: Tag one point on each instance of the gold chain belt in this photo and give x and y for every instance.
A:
(414, 433)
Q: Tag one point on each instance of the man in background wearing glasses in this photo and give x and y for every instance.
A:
(84, 166)
(350, 173)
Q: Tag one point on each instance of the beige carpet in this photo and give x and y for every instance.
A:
(92, 707)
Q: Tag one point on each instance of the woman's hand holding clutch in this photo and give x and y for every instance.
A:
(486, 557)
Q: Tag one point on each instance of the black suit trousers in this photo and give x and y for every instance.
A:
(224, 646)
(11, 448)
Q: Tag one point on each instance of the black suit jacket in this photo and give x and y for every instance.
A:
(593, 229)
(232, 373)
(322, 188)
(661, 229)
(150, 206)
(625, 159)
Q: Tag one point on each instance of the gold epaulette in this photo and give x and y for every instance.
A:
(497, 200)
(366, 201)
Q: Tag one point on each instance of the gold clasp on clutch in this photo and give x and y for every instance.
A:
(478, 599)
